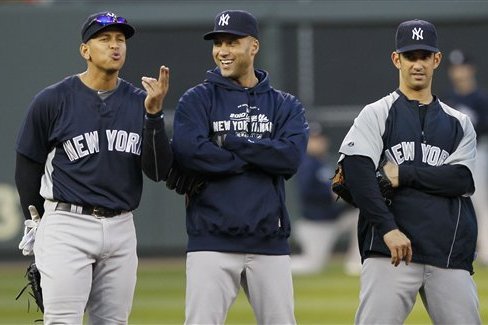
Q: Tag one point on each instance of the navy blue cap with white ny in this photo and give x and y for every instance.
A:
(236, 22)
(416, 34)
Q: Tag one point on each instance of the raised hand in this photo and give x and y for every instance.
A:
(156, 90)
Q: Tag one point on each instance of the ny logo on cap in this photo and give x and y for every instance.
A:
(224, 20)
(417, 33)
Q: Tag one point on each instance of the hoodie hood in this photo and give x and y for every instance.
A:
(214, 76)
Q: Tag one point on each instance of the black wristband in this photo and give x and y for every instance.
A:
(159, 114)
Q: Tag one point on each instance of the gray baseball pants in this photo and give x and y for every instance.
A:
(388, 293)
(86, 261)
(213, 282)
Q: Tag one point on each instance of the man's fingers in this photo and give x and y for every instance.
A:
(408, 257)
(163, 79)
(157, 86)
(394, 257)
(148, 80)
(163, 74)
(147, 86)
(401, 254)
(148, 83)
(395, 261)
(400, 247)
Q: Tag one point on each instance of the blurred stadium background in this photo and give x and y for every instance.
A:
(335, 55)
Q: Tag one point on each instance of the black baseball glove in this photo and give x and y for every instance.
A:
(339, 186)
(384, 182)
(184, 182)
(34, 282)
(219, 138)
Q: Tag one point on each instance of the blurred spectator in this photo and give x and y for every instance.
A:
(467, 97)
(323, 220)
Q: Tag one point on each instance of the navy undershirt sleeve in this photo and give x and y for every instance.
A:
(28, 175)
(360, 176)
(157, 155)
(445, 180)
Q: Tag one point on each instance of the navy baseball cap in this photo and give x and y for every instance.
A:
(236, 22)
(416, 34)
(101, 20)
(458, 57)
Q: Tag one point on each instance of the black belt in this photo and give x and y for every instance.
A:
(89, 210)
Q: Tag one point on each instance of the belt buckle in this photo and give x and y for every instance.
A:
(96, 214)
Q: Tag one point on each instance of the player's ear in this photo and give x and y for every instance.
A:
(85, 51)
(254, 46)
(395, 58)
(437, 59)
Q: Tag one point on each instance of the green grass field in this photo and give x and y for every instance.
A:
(327, 298)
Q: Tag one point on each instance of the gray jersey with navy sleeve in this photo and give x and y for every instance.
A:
(442, 228)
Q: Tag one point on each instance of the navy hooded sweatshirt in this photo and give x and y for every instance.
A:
(242, 206)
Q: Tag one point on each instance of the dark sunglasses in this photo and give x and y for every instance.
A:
(109, 18)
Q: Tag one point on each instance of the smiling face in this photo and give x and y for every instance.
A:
(416, 69)
(234, 55)
(105, 51)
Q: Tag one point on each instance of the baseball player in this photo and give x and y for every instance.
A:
(323, 220)
(468, 97)
(429, 223)
(80, 155)
(247, 139)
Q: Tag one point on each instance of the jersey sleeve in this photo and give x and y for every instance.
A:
(281, 154)
(32, 147)
(365, 136)
(361, 181)
(465, 153)
(360, 152)
(444, 180)
(33, 140)
(28, 175)
(157, 155)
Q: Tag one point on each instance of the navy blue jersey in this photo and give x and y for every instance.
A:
(475, 105)
(440, 224)
(242, 207)
(91, 147)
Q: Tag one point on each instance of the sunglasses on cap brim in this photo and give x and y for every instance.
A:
(107, 19)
